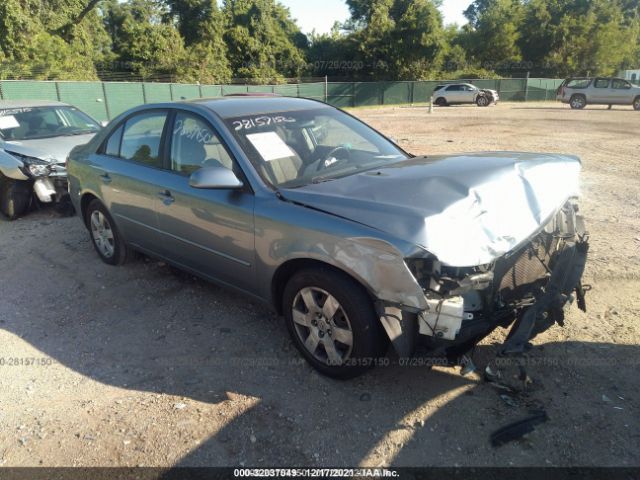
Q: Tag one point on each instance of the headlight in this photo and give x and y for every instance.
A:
(34, 167)
(38, 168)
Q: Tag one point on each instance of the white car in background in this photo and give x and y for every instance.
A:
(35, 139)
(460, 93)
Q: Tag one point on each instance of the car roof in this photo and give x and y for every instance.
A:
(4, 104)
(237, 106)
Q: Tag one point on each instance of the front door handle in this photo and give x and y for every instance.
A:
(106, 179)
(166, 197)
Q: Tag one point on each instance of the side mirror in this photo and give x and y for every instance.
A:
(215, 178)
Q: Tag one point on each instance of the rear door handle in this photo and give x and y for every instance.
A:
(166, 197)
(105, 178)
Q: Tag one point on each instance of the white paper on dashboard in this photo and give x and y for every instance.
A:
(270, 146)
(8, 121)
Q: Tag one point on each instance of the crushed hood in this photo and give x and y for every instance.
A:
(54, 150)
(466, 209)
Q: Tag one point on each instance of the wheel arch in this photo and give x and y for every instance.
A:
(85, 200)
(289, 268)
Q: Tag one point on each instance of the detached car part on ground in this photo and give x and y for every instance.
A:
(580, 92)
(357, 243)
(461, 93)
(35, 139)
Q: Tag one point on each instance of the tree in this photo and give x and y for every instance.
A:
(263, 41)
(577, 37)
(143, 39)
(398, 39)
(33, 48)
(201, 26)
(492, 35)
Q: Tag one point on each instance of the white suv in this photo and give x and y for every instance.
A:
(457, 93)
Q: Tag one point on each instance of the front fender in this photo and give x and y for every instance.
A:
(361, 252)
(10, 166)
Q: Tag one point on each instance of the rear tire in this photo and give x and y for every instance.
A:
(15, 197)
(636, 104)
(333, 323)
(105, 236)
(441, 102)
(578, 102)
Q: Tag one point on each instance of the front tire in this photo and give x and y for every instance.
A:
(482, 101)
(15, 197)
(105, 236)
(636, 104)
(333, 323)
(578, 102)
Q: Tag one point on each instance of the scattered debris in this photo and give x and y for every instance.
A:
(509, 400)
(606, 399)
(467, 366)
(180, 406)
(518, 429)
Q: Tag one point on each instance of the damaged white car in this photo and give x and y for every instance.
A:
(356, 242)
(35, 139)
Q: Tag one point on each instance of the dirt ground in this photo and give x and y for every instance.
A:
(140, 365)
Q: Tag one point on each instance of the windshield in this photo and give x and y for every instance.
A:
(30, 123)
(293, 149)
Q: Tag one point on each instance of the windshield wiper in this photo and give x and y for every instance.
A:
(316, 180)
(78, 132)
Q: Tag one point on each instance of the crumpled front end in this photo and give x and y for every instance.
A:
(530, 287)
(47, 175)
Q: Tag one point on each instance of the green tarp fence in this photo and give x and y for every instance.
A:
(106, 100)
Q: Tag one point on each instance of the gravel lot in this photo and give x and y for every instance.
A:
(142, 365)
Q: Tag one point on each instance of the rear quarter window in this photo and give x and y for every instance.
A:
(579, 83)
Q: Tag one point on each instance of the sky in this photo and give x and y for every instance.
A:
(321, 14)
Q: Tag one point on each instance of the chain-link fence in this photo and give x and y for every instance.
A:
(106, 100)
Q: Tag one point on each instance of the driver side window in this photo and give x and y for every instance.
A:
(194, 145)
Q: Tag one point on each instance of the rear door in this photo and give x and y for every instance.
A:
(129, 171)
(209, 231)
(454, 94)
(600, 92)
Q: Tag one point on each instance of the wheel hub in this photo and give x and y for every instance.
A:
(322, 325)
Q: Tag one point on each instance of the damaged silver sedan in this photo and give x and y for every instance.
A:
(357, 243)
(35, 138)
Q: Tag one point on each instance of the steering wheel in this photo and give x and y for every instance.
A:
(322, 164)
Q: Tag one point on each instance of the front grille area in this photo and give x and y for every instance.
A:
(526, 270)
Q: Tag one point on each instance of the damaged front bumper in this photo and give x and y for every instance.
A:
(529, 288)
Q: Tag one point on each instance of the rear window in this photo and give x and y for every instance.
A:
(579, 83)
(439, 87)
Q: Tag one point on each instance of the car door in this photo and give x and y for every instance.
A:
(454, 93)
(128, 170)
(600, 92)
(621, 92)
(468, 94)
(208, 231)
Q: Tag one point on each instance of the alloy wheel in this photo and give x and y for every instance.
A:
(102, 234)
(322, 325)
(577, 102)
